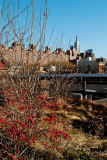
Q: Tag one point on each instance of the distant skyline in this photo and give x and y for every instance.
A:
(85, 18)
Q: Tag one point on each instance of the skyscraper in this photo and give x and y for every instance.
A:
(77, 45)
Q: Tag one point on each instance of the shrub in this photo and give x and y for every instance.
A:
(82, 153)
(61, 65)
(29, 69)
(28, 121)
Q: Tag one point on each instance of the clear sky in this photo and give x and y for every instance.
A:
(87, 18)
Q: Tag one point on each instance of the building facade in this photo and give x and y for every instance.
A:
(17, 55)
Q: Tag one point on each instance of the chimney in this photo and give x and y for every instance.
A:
(47, 49)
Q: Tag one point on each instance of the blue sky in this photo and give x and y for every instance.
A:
(87, 18)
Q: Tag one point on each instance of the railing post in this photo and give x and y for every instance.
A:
(84, 89)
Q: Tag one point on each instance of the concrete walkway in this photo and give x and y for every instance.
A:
(102, 101)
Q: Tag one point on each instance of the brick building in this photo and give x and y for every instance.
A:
(18, 55)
